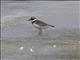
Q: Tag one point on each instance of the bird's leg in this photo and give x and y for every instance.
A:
(40, 31)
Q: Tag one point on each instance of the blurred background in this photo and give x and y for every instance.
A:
(19, 39)
(40, 0)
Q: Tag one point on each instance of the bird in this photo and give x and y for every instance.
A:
(40, 25)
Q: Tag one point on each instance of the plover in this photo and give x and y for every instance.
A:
(39, 24)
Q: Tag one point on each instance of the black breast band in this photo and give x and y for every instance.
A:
(33, 22)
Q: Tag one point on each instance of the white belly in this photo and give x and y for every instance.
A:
(42, 27)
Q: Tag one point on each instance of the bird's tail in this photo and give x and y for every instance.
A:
(51, 26)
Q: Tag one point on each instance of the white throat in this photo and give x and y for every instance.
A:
(34, 20)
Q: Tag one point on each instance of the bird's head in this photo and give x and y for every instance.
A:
(32, 18)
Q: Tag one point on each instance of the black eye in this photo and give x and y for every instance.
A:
(32, 18)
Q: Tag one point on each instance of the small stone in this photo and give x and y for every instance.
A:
(54, 46)
(31, 50)
(21, 48)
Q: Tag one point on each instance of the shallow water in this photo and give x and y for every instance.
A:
(20, 40)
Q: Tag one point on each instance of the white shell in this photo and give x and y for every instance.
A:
(21, 48)
(31, 50)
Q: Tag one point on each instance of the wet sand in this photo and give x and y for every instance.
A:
(40, 48)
